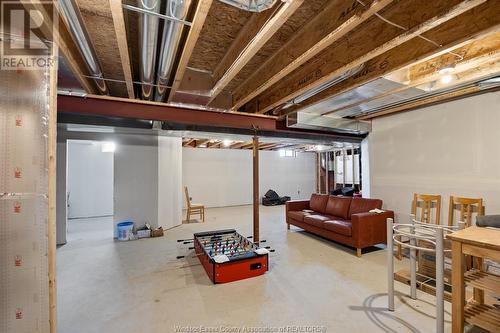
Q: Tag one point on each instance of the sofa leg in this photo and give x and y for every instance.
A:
(358, 252)
(288, 226)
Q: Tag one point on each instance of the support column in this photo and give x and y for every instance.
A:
(256, 189)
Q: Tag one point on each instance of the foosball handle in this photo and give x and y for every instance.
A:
(180, 257)
(188, 242)
(191, 248)
(273, 250)
(184, 240)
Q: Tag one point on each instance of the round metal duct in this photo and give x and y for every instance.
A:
(251, 5)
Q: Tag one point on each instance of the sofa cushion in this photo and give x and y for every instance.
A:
(297, 215)
(339, 227)
(316, 220)
(338, 206)
(362, 205)
(318, 202)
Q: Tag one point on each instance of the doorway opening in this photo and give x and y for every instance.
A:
(89, 190)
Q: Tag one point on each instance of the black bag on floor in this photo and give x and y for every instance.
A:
(271, 198)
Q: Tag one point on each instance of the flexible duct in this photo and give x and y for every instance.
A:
(148, 42)
(251, 5)
(169, 44)
(75, 24)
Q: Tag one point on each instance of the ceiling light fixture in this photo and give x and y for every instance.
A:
(226, 142)
(446, 74)
(446, 78)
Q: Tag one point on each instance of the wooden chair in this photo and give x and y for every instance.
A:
(193, 208)
(421, 207)
(467, 207)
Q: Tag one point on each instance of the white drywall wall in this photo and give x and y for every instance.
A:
(89, 180)
(448, 149)
(223, 177)
(169, 182)
(136, 182)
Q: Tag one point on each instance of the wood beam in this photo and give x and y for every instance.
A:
(192, 37)
(237, 145)
(332, 23)
(188, 142)
(228, 70)
(474, 56)
(452, 34)
(256, 198)
(376, 38)
(470, 75)
(198, 143)
(121, 39)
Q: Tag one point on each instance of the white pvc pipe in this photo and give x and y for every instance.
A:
(413, 262)
(439, 281)
(390, 265)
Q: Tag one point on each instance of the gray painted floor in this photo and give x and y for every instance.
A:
(139, 286)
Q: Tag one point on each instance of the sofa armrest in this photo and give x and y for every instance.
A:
(369, 229)
(297, 205)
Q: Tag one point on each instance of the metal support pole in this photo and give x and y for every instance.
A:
(439, 281)
(335, 170)
(390, 264)
(256, 189)
(327, 168)
(344, 166)
(413, 261)
(353, 169)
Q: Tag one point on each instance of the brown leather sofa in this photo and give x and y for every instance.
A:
(342, 219)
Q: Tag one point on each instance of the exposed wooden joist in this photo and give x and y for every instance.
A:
(245, 36)
(376, 38)
(454, 33)
(474, 56)
(121, 39)
(194, 32)
(201, 142)
(229, 69)
(332, 23)
(237, 145)
(188, 142)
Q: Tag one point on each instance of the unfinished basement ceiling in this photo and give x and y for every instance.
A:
(231, 59)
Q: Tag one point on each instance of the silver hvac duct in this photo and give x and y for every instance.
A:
(314, 122)
(251, 5)
(148, 42)
(314, 91)
(75, 24)
(169, 44)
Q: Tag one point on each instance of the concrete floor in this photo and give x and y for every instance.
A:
(139, 286)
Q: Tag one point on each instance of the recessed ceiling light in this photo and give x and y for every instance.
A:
(226, 142)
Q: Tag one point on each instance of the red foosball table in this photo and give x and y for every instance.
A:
(228, 256)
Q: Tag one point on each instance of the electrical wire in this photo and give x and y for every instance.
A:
(406, 29)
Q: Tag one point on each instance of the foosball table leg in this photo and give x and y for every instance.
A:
(358, 252)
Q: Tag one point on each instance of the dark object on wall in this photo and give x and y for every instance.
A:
(271, 198)
(345, 191)
(488, 221)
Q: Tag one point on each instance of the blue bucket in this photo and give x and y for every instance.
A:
(125, 230)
